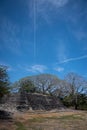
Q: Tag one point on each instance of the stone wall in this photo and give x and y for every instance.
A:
(39, 101)
(28, 101)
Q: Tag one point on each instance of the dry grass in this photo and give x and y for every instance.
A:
(69, 120)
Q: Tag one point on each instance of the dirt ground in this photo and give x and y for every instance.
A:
(46, 120)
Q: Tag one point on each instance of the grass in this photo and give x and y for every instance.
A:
(20, 126)
(39, 120)
(74, 121)
(3, 129)
(65, 117)
(48, 121)
(71, 117)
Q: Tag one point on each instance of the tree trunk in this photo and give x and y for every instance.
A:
(76, 102)
(76, 106)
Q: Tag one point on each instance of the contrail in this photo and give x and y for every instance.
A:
(34, 7)
(73, 59)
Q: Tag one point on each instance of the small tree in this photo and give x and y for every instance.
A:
(4, 81)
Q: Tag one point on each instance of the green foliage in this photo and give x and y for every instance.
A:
(69, 101)
(82, 102)
(77, 86)
(69, 90)
(4, 81)
(45, 83)
(27, 86)
(20, 126)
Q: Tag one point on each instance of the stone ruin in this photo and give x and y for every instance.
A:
(30, 101)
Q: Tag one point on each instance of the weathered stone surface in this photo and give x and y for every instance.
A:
(9, 103)
(29, 101)
(43, 102)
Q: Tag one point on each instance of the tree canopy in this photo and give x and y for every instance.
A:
(77, 85)
(45, 83)
(26, 86)
(4, 81)
(72, 89)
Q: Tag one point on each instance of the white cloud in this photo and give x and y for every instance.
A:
(80, 35)
(43, 8)
(74, 59)
(62, 51)
(58, 3)
(37, 68)
(59, 69)
(9, 36)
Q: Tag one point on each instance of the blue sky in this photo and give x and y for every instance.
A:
(43, 36)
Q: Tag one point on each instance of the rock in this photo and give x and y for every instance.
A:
(5, 115)
(22, 108)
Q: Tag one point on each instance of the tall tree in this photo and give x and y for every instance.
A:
(26, 86)
(76, 85)
(4, 81)
(61, 89)
(46, 83)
